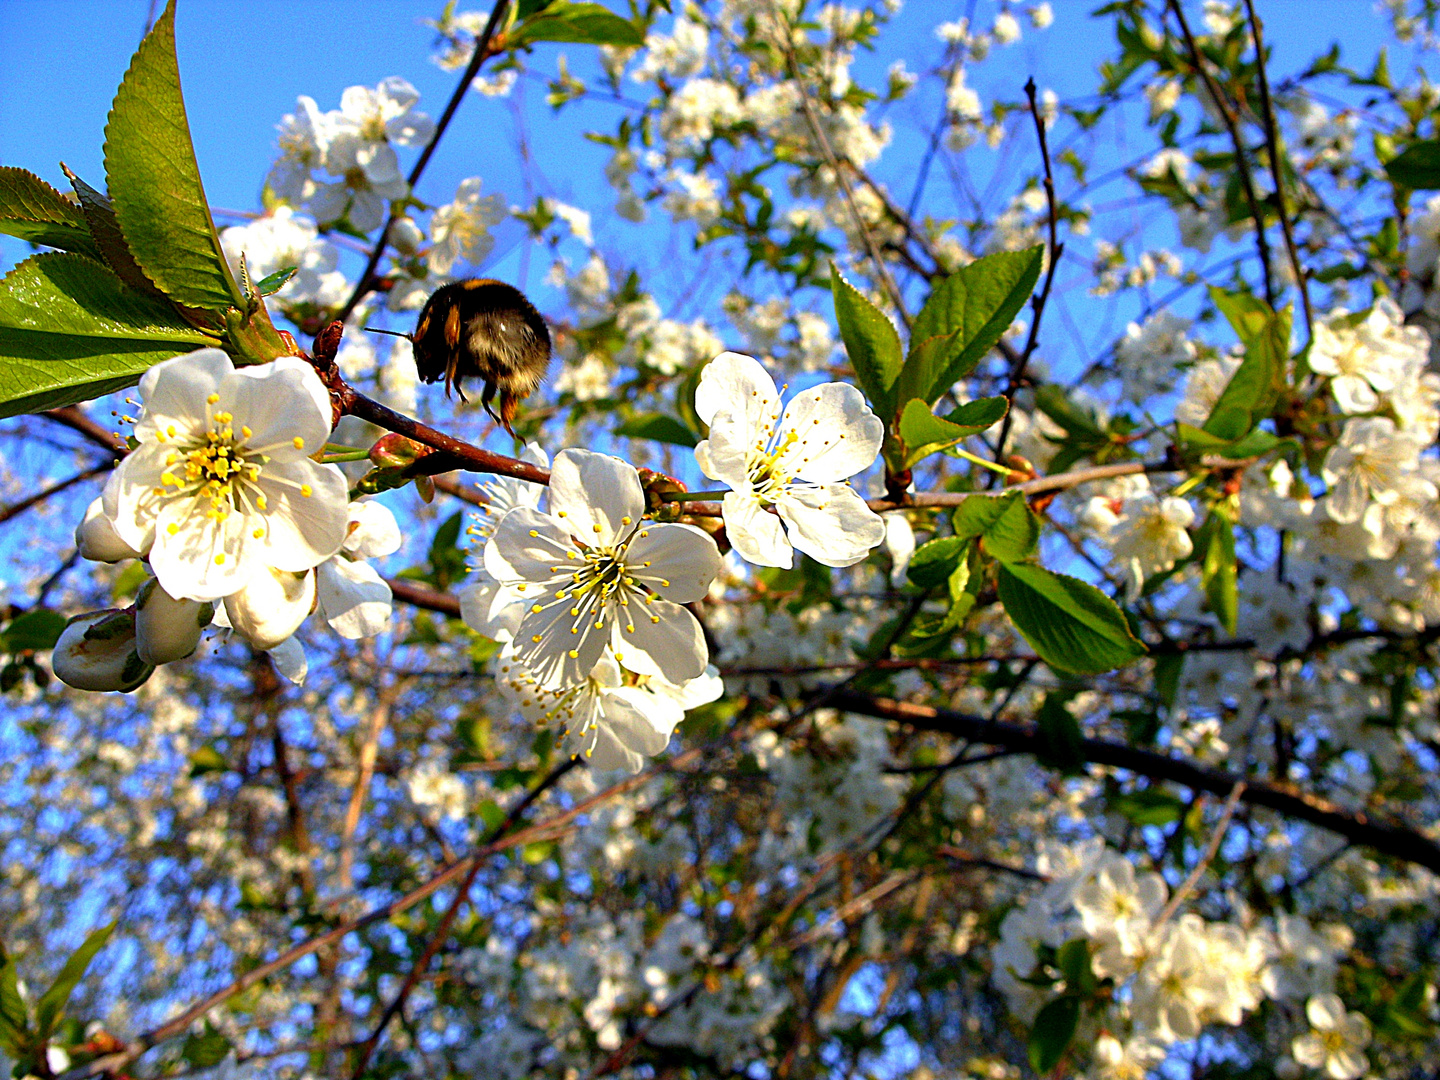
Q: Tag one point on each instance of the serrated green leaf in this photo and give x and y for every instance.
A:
(33, 211)
(925, 433)
(1053, 1032)
(100, 216)
(154, 180)
(35, 631)
(1069, 623)
(1007, 528)
(583, 24)
(935, 560)
(964, 317)
(871, 342)
(51, 1005)
(70, 330)
(1261, 378)
(660, 428)
(1417, 166)
(270, 284)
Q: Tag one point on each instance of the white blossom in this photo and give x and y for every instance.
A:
(795, 463)
(595, 571)
(1337, 1041)
(221, 484)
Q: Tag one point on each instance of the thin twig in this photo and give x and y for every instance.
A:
(442, 932)
(54, 489)
(480, 55)
(1272, 146)
(1231, 121)
(821, 140)
(1192, 879)
(1037, 303)
(181, 1023)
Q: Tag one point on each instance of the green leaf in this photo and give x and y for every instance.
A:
(871, 342)
(51, 1005)
(659, 427)
(1061, 743)
(70, 330)
(1261, 379)
(1008, 529)
(14, 1024)
(35, 631)
(1069, 623)
(1417, 166)
(206, 1050)
(1053, 1032)
(584, 24)
(964, 317)
(935, 560)
(273, 283)
(1148, 806)
(1073, 960)
(154, 179)
(1216, 546)
(100, 216)
(206, 759)
(925, 433)
(35, 212)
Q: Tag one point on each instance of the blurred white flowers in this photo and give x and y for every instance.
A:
(1337, 1042)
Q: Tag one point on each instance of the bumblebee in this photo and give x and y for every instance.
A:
(483, 329)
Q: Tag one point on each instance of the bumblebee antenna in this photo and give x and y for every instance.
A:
(392, 333)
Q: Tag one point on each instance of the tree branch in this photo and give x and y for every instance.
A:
(1386, 836)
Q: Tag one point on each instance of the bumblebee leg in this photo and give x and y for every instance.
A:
(509, 405)
(487, 397)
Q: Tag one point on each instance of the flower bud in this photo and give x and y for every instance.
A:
(96, 651)
(271, 607)
(405, 236)
(98, 541)
(167, 629)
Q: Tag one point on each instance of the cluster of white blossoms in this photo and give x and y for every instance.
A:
(222, 496)
(1173, 973)
(354, 147)
(588, 595)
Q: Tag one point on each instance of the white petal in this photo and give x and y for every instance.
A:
(491, 609)
(167, 629)
(737, 382)
(755, 533)
(96, 651)
(289, 660)
(698, 691)
(732, 438)
(557, 657)
(1325, 1012)
(662, 639)
(682, 559)
(641, 720)
(279, 402)
(593, 494)
(373, 531)
(899, 545)
(271, 606)
(526, 545)
(354, 599)
(174, 391)
(128, 498)
(97, 539)
(202, 559)
(302, 531)
(836, 434)
(831, 524)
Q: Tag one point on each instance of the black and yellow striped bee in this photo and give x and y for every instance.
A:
(483, 329)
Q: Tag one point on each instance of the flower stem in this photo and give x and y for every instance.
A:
(1003, 470)
(689, 496)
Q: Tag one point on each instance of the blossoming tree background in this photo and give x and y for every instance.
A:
(963, 604)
